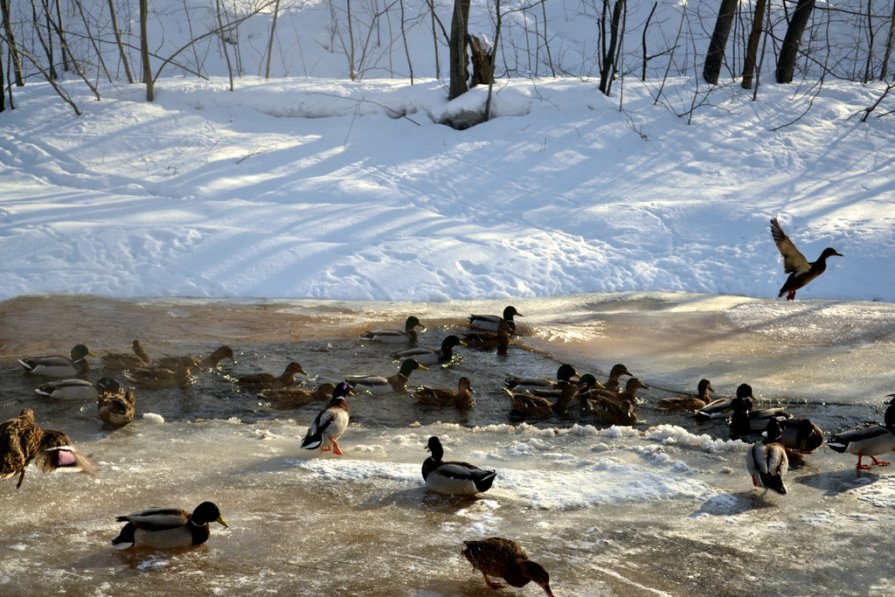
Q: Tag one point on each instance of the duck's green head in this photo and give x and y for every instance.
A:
(80, 351)
(510, 312)
(566, 372)
(588, 380)
(410, 365)
(412, 323)
(208, 512)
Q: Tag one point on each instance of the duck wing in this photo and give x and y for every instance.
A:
(156, 519)
(793, 260)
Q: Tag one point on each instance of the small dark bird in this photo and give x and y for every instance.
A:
(167, 528)
(800, 270)
(504, 558)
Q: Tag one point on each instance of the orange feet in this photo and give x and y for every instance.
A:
(879, 462)
(336, 450)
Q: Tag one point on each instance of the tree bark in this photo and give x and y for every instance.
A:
(11, 40)
(786, 62)
(144, 49)
(752, 44)
(458, 57)
(608, 67)
(714, 58)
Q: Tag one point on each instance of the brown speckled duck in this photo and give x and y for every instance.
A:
(461, 398)
(504, 558)
(616, 409)
(22, 440)
(167, 528)
(613, 384)
(704, 391)
(296, 396)
(115, 406)
(154, 378)
(119, 361)
(800, 270)
(60, 366)
(263, 381)
(212, 361)
(527, 405)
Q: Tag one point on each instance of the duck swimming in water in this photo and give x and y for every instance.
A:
(409, 335)
(60, 366)
(380, 384)
(461, 398)
(432, 356)
(167, 528)
(800, 270)
(703, 398)
(490, 323)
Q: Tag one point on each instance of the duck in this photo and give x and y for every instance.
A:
(564, 375)
(461, 398)
(703, 398)
(212, 361)
(295, 396)
(613, 384)
(23, 440)
(746, 418)
(714, 409)
(488, 341)
(409, 335)
(379, 384)
(331, 422)
(115, 407)
(75, 388)
(766, 460)
(155, 378)
(525, 405)
(263, 381)
(868, 440)
(454, 478)
(615, 408)
(432, 356)
(60, 366)
(800, 270)
(490, 323)
(800, 436)
(119, 361)
(504, 558)
(168, 528)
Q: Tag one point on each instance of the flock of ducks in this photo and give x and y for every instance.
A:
(22, 440)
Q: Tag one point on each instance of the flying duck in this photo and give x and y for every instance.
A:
(167, 528)
(504, 558)
(484, 340)
(76, 389)
(409, 335)
(490, 323)
(453, 478)
(59, 366)
(330, 423)
(461, 398)
(263, 381)
(800, 270)
(379, 384)
(702, 399)
(766, 460)
(119, 361)
(22, 440)
(188, 361)
(295, 396)
(868, 440)
(432, 356)
(114, 406)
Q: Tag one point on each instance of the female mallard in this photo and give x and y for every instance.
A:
(460, 398)
(154, 378)
(702, 399)
(295, 396)
(800, 270)
(262, 381)
(490, 323)
(564, 376)
(192, 362)
(453, 478)
(378, 384)
(115, 406)
(59, 366)
(432, 356)
(767, 462)
(800, 436)
(75, 389)
(409, 335)
(504, 558)
(527, 405)
(167, 528)
(615, 374)
(484, 340)
(22, 440)
(615, 408)
(119, 361)
(869, 440)
(330, 423)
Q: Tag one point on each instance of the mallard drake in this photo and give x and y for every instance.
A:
(868, 440)
(504, 558)
(490, 323)
(115, 407)
(527, 405)
(167, 528)
(75, 389)
(746, 418)
(460, 398)
(702, 399)
(800, 270)
(409, 335)
(767, 462)
(262, 381)
(800, 436)
(432, 356)
(564, 375)
(193, 362)
(22, 440)
(330, 423)
(484, 340)
(295, 396)
(59, 366)
(378, 384)
(154, 378)
(453, 478)
(119, 361)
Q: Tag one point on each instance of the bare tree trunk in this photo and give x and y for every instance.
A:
(752, 44)
(2, 83)
(273, 31)
(11, 40)
(92, 38)
(459, 60)
(406, 46)
(121, 50)
(46, 44)
(786, 62)
(223, 39)
(59, 31)
(144, 50)
(643, 41)
(714, 58)
(491, 60)
(352, 72)
(435, 38)
(608, 66)
(890, 41)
